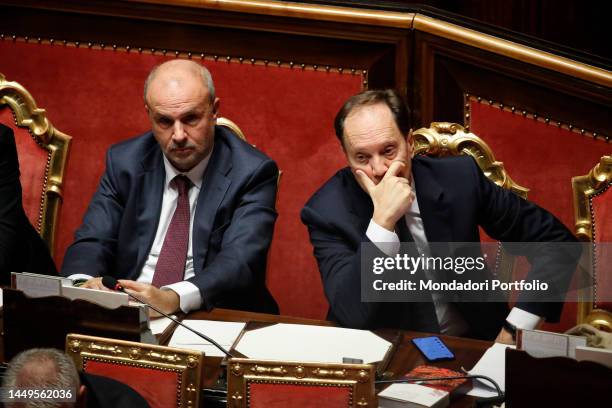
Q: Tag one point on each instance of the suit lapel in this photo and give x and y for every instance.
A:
(151, 185)
(215, 184)
(361, 208)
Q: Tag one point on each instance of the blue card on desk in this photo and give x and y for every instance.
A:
(433, 348)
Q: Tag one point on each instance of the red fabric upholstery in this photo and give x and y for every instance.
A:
(541, 157)
(32, 165)
(96, 97)
(262, 395)
(602, 213)
(159, 388)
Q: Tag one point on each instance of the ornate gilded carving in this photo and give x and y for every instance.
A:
(237, 369)
(75, 346)
(257, 369)
(596, 182)
(300, 372)
(362, 403)
(56, 143)
(322, 372)
(186, 363)
(358, 378)
(451, 139)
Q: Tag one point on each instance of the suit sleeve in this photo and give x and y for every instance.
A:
(240, 259)
(94, 248)
(529, 230)
(340, 266)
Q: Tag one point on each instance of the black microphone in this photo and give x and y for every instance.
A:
(112, 283)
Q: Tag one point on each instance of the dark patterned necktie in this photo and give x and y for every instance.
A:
(170, 266)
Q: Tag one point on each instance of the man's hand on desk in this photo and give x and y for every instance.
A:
(505, 337)
(95, 283)
(165, 300)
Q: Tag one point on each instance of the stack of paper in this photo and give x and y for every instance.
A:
(412, 396)
(224, 333)
(493, 365)
(296, 342)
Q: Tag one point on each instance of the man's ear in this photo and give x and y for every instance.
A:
(410, 143)
(216, 105)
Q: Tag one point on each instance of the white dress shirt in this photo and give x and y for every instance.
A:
(449, 319)
(189, 294)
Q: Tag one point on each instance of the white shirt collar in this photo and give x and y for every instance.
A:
(195, 175)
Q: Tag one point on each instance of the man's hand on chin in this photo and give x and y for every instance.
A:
(165, 300)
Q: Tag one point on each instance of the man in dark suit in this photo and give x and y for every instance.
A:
(385, 192)
(184, 214)
(21, 248)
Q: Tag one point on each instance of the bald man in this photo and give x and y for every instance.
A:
(184, 213)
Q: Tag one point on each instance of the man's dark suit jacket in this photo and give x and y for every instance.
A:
(104, 392)
(232, 229)
(21, 248)
(455, 198)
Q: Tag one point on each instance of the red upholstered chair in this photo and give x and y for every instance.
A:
(280, 384)
(42, 150)
(593, 213)
(450, 139)
(166, 377)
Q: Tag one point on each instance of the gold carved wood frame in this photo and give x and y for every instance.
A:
(186, 363)
(27, 115)
(598, 181)
(451, 139)
(242, 372)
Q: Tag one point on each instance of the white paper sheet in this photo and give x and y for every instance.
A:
(296, 342)
(224, 333)
(492, 364)
(159, 324)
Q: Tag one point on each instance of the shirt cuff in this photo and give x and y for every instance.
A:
(522, 319)
(189, 295)
(80, 276)
(387, 241)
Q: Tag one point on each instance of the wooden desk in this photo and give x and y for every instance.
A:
(405, 358)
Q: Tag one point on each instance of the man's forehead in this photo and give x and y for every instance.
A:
(370, 124)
